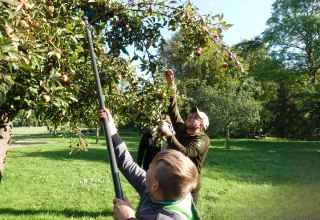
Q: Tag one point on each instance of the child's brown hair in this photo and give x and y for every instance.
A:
(176, 173)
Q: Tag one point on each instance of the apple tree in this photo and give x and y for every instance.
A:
(45, 67)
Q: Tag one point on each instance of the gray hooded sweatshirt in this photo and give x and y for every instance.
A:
(149, 209)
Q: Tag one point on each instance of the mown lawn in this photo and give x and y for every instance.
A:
(255, 179)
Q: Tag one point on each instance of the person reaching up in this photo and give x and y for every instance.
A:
(164, 190)
(189, 137)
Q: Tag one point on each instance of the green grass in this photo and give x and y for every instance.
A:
(266, 179)
(30, 130)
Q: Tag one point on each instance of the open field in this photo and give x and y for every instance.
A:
(30, 130)
(255, 179)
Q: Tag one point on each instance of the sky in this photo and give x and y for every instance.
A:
(247, 16)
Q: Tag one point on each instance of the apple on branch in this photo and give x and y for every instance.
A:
(46, 97)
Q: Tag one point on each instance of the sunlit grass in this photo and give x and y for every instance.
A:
(266, 179)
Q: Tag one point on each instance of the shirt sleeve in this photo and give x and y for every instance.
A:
(174, 113)
(193, 148)
(130, 170)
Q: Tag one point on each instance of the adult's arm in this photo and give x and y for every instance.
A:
(174, 112)
(192, 147)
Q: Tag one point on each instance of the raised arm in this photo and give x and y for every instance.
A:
(173, 109)
(131, 171)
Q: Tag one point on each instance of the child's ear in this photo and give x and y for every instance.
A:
(155, 186)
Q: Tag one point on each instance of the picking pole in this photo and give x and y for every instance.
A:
(113, 161)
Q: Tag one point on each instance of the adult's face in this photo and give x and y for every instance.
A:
(193, 121)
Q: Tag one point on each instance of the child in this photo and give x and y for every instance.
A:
(165, 189)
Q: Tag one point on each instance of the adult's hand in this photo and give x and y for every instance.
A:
(169, 76)
(122, 209)
(105, 113)
(164, 127)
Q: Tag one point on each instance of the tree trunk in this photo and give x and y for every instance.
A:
(228, 136)
(228, 139)
(313, 74)
(97, 133)
(5, 135)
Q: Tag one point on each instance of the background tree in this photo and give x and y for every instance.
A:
(252, 51)
(293, 34)
(229, 104)
(285, 76)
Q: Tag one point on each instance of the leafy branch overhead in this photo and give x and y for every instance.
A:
(142, 24)
(45, 67)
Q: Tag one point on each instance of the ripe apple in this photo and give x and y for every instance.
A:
(118, 76)
(56, 55)
(8, 30)
(49, 39)
(51, 8)
(25, 5)
(150, 10)
(64, 77)
(230, 57)
(198, 51)
(225, 65)
(46, 97)
(24, 24)
(50, 65)
(236, 63)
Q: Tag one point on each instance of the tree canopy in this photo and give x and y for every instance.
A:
(293, 33)
(45, 68)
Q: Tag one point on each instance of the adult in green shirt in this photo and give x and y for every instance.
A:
(189, 137)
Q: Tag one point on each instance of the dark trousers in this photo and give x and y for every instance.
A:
(195, 192)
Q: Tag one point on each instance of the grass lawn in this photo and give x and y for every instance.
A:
(255, 179)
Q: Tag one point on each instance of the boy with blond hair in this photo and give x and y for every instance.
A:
(164, 189)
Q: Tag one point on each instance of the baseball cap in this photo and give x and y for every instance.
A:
(202, 115)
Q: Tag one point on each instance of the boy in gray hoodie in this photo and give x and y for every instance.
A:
(164, 189)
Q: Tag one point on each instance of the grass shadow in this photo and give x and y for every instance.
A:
(275, 162)
(68, 213)
(95, 152)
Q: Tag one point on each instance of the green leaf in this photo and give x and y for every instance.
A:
(74, 39)
(73, 98)
(11, 2)
(3, 89)
(8, 79)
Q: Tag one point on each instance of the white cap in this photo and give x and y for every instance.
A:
(202, 115)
